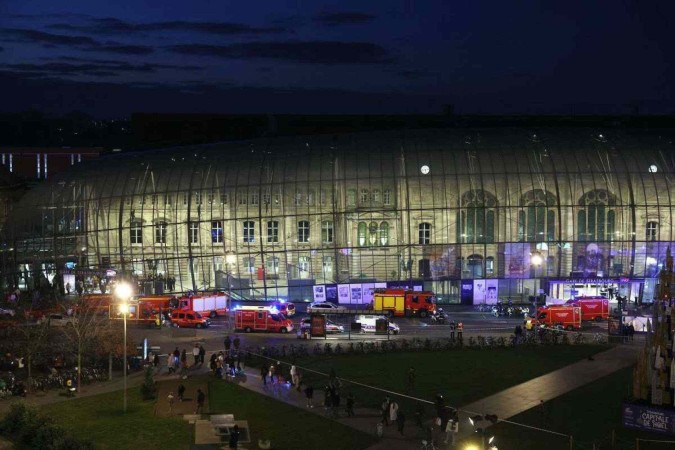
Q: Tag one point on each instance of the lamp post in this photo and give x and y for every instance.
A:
(123, 292)
(230, 260)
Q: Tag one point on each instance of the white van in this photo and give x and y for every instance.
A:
(367, 322)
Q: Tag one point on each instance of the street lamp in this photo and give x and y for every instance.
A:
(230, 260)
(123, 292)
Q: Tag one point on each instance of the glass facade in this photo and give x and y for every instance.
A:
(437, 206)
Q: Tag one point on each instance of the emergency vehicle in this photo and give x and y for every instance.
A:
(184, 318)
(211, 305)
(401, 302)
(261, 318)
(137, 315)
(592, 308)
(567, 317)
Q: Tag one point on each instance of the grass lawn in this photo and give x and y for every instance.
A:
(100, 419)
(462, 376)
(284, 425)
(589, 414)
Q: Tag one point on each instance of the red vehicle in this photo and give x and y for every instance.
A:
(592, 308)
(138, 314)
(285, 308)
(261, 318)
(567, 317)
(211, 305)
(400, 302)
(183, 318)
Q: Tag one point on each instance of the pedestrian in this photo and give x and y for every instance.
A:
(400, 422)
(195, 354)
(228, 344)
(271, 373)
(334, 401)
(263, 374)
(200, 402)
(176, 353)
(155, 361)
(419, 416)
(393, 411)
(411, 379)
(460, 330)
(170, 363)
(350, 405)
(236, 343)
(213, 362)
(326, 398)
(631, 332)
(170, 399)
(234, 437)
(385, 410)
(181, 392)
(452, 428)
(202, 355)
(309, 394)
(294, 376)
(452, 330)
(183, 357)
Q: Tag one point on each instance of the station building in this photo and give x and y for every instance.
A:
(474, 214)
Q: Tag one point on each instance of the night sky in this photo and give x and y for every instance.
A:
(111, 58)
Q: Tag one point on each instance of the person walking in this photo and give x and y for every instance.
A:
(183, 357)
(263, 374)
(411, 379)
(155, 361)
(385, 411)
(393, 411)
(202, 355)
(181, 392)
(235, 343)
(273, 369)
(234, 438)
(294, 376)
(170, 398)
(170, 363)
(400, 422)
(195, 354)
(309, 393)
(452, 330)
(200, 402)
(350, 405)
(228, 344)
(460, 330)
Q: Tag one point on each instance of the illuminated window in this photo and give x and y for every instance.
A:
(249, 231)
(327, 232)
(136, 233)
(193, 232)
(272, 231)
(386, 197)
(652, 231)
(216, 231)
(303, 231)
(160, 233)
(424, 233)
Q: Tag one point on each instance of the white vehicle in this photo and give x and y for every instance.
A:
(325, 308)
(331, 327)
(6, 312)
(58, 320)
(368, 324)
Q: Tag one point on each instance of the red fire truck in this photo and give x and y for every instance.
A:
(567, 317)
(592, 308)
(211, 305)
(261, 318)
(401, 302)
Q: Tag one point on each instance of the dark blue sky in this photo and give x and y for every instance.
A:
(111, 58)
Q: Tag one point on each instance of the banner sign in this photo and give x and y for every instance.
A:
(648, 418)
(318, 325)
(319, 293)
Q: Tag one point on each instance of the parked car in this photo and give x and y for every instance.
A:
(331, 327)
(58, 320)
(285, 308)
(6, 312)
(368, 321)
(325, 308)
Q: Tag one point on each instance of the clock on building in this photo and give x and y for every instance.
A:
(424, 169)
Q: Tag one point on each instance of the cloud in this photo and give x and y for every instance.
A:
(343, 18)
(308, 52)
(122, 49)
(40, 37)
(115, 62)
(82, 66)
(82, 42)
(111, 25)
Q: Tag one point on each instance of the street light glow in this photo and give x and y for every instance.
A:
(124, 308)
(230, 258)
(123, 291)
(536, 259)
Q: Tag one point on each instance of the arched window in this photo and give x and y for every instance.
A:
(384, 233)
(477, 217)
(536, 218)
(372, 233)
(362, 232)
(596, 219)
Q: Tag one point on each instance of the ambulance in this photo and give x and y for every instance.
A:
(261, 318)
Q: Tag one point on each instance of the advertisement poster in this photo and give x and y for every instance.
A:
(590, 260)
(479, 291)
(648, 418)
(356, 295)
(467, 292)
(344, 294)
(319, 293)
(491, 291)
(331, 293)
(442, 261)
(367, 292)
(318, 325)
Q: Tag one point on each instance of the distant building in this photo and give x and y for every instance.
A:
(40, 163)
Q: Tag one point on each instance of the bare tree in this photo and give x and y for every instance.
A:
(83, 330)
(34, 340)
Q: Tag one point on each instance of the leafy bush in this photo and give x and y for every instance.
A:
(148, 388)
(30, 430)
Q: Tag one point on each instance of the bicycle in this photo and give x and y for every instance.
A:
(428, 445)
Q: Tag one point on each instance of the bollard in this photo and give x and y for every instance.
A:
(571, 443)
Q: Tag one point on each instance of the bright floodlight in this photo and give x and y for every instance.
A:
(471, 447)
(124, 308)
(536, 259)
(123, 291)
(492, 438)
(653, 168)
